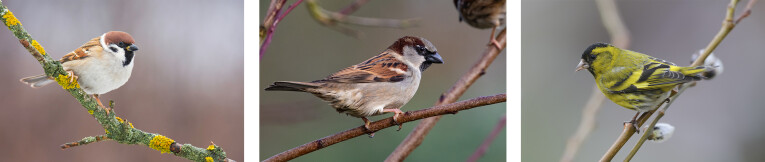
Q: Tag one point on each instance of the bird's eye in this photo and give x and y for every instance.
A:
(113, 49)
(121, 44)
(420, 49)
(592, 57)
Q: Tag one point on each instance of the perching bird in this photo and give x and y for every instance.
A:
(634, 80)
(482, 14)
(101, 65)
(383, 83)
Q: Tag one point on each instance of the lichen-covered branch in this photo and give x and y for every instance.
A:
(385, 123)
(415, 137)
(116, 128)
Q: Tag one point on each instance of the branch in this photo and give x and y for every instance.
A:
(418, 133)
(727, 26)
(629, 130)
(385, 123)
(620, 37)
(333, 19)
(116, 128)
(269, 24)
(485, 145)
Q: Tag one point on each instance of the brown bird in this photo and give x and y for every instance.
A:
(482, 14)
(101, 65)
(383, 83)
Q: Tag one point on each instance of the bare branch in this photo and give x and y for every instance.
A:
(385, 123)
(418, 133)
(269, 25)
(620, 37)
(485, 145)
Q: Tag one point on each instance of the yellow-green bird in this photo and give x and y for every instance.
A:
(634, 80)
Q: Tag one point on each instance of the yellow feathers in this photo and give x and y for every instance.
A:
(634, 80)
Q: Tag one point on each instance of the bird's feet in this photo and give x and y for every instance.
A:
(397, 114)
(366, 126)
(72, 77)
(101, 105)
(492, 40)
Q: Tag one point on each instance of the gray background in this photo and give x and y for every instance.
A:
(718, 120)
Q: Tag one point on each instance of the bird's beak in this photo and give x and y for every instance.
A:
(582, 65)
(434, 58)
(132, 47)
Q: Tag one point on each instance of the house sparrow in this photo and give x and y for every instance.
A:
(381, 84)
(482, 14)
(101, 65)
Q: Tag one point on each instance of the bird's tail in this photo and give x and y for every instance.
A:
(698, 72)
(291, 86)
(37, 81)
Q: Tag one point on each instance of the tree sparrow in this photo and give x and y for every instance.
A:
(482, 14)
(101, 65)
(381, 84)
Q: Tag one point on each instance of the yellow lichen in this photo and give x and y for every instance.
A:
(209, 159)
(119, 119)
(131, 125)
(10, 19)
(211, 147)
(107, 131)
(161, 143)
(63, 80)
(38, 47)
(90, 112)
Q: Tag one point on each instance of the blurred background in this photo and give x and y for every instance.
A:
(187, 82)
(303, 50)
(718, 120)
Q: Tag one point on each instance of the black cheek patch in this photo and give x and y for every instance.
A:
(128, 58)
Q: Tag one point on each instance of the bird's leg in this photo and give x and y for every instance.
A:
(100, 105)
(366, 126)
(397, 114)
(634, 122)
(72, 77)
(493, 40)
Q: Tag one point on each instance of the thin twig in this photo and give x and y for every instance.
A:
(270, 28)
(116, 129)
(353, 7)
(417, 135)
(620, 37)
(486, 142)
(385, 123)
(724, 30)
(333, 20)
(85, 141)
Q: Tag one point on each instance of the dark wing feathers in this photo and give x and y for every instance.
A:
(382, 68)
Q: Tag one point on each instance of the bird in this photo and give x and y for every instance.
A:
(634, 80)
(100, 65)
(482, 14)
(381, 84)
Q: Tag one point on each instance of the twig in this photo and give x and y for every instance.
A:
(727, 26)
(85, 141)
(486, 142)
(620, 37)
(385, 123)
(418, 133)
(116, 129)
(269, 26)
(333, 19)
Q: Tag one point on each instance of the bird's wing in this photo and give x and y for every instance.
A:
(381, 68)
(83, 52)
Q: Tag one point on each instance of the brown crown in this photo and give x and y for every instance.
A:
(402, 42)
(114, 37)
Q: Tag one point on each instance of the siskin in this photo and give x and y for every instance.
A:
(634, 80)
